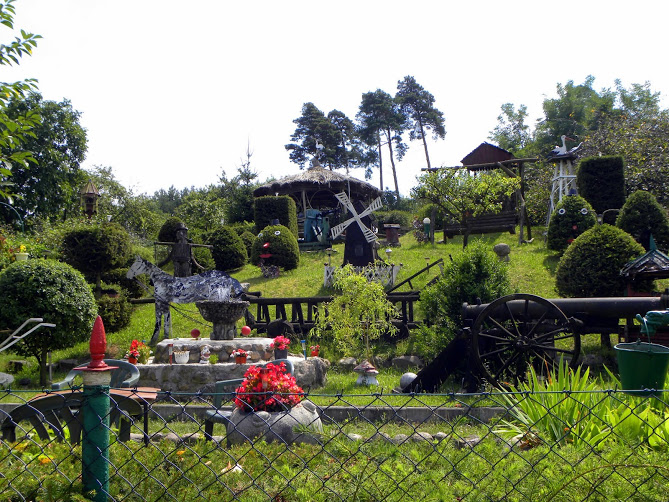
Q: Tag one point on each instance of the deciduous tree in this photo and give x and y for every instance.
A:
(460, 194)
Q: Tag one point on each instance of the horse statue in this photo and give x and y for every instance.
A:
(210, 285)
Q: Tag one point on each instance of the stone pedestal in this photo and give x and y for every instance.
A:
(193, 377)
(258, 348)
(224, 315)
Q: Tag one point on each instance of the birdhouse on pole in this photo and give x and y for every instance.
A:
(89, 195)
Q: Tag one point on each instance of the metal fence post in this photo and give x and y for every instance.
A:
(95, 440)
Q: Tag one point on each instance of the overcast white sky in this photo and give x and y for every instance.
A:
(171, 92)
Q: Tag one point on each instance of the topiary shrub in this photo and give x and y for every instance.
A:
(243, 226)
(54, 291)
(248, 239)
(168, 232)
(601, 181)
(591, 265)
(229, 252)
(281, 246)
(474, 273)
(115, 311)
(94, 250)
(132, 287)
(572, 216)
(267, 209)
(641, 216)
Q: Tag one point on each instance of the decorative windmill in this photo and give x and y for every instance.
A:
(358, 249)
(370, 236)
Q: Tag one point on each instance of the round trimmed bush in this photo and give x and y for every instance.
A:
(229, 252)
(94, 250)
(474, 273)
(133, 288)
(282, 246)
(168, 232)
(115, 311)
(248, 239)
(642, 216)
(572, 216)
(54, 291)
(591, 265)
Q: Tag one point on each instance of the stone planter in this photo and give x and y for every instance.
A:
(21, 256)
(276, 426)
(280, 353)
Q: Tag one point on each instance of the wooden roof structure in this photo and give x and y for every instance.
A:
(316, 188)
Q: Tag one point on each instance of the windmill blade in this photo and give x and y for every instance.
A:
(374, 206)
(338, 229)
(345, 201)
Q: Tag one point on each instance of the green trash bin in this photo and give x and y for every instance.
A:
(642, 365)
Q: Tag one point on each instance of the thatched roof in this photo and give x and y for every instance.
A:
(320, 185)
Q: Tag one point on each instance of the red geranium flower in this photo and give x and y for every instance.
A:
(279, 393)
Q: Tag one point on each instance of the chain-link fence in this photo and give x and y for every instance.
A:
(604, 445)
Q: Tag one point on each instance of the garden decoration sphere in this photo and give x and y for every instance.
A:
(195, 333)
(246, 331)
(406, 379)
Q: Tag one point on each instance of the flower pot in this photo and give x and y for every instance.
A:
(21, 256)
(290, 426)
(280, 353)
(132, 360)
(181, 356)
(314, 353)
(240, 359)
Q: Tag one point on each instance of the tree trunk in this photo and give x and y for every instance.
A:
(465, 237)
(422, 135)
(378, 139)
(392, 163)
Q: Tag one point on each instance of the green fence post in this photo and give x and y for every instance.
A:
(95, 440)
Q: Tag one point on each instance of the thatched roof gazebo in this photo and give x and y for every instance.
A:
(316, 187)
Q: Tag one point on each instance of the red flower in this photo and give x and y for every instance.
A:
(280, 342)
(280, 393)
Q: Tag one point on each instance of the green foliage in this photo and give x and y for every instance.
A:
(168, 232)
(53, 291)
(601, 181)
(417, 106)
(358, 314)
(243, 226)
(202, 208)
(50, 186)
(94, 250)
(512, 133)
(17, 129)
(283, 247)
(229, 252)
(248, 239)
(115, 311)
(425, 211)
(474, 273)
(267, 209)
(641, 216)
(133, 288)
(591, 265)
(403, 218)
(460, 194)
(572, 216)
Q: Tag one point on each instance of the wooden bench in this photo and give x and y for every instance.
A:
(486, 223)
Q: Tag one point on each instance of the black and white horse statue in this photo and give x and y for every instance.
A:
(210, 285)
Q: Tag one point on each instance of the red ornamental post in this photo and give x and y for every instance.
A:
(95, 440)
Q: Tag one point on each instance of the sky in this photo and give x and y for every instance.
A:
(172, 93)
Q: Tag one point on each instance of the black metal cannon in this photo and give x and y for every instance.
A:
(507, 335)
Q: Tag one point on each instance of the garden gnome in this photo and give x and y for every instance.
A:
(181, 254)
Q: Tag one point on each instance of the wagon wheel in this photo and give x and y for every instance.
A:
(517, 330)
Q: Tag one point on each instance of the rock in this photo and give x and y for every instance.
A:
(406, 362)
(25, 382)
(292, 426)
(6, 380)
(400, 439)
(355, 437)
(16, 365)
(406, 379)
(440, 436)
(422, 436)
(502, 251)
(467, 442)
(347, 363)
